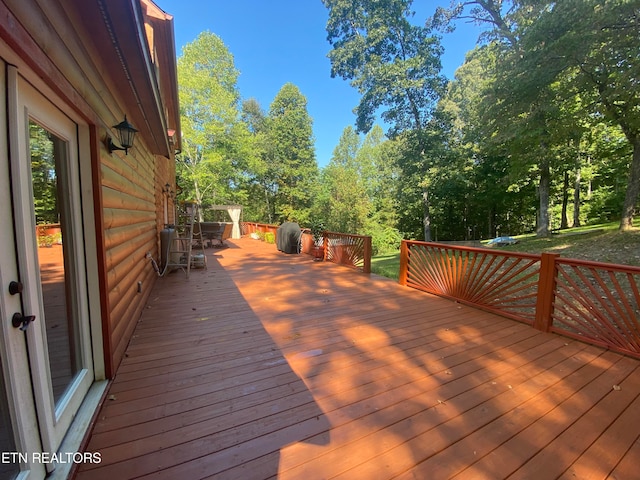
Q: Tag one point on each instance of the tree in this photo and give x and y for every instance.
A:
(253, 115)
(598, 54)
(291, 155)
(358, 189)
(589, 45)
(261, 183)
(379, 170)
(43, 175)
(214, 144)
(394, 65)
(493, 195)
(345, 202)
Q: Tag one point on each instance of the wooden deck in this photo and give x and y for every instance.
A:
(269, 365)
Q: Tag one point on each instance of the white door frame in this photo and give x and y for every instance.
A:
(54, 420)
(13, 346)
(20, 366)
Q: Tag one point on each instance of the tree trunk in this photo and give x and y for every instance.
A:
(492, 223)
(268, 204)
(467, 229)
(564, 222)
(576, 198)
(198, 199)
(543, 192)
(426, 219)
(590, 182)
(633, 187)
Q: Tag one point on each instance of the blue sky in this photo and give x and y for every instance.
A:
(278, 41)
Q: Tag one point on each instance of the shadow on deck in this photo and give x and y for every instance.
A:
(268, 365)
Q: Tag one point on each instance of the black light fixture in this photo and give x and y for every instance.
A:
(126, 134)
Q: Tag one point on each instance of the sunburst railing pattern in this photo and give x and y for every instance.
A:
(598, 302)
(494, 281)
(590, 301)
(350, 250)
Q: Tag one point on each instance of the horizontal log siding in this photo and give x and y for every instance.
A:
(113, 218)
(127, 312)
(120, 236)
(165, 174)
(123, 179)
(129, 209)
(68, 55)
(65, 59)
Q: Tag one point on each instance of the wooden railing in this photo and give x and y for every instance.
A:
(341, 248)
(597, 302)
(247, 228)
(347, 249)
(495, 281)
(590, 301)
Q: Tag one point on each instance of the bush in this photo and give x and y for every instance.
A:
(385, 240)
(269, 237)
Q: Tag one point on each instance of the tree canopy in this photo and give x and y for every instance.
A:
(560, 68)
(539, 129)
(214, 144)
(394, 64)
(291, 154)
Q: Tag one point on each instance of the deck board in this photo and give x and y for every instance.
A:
(268, 365)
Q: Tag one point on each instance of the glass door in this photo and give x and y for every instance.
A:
(49, 160)
(51, 260)
(19, 430)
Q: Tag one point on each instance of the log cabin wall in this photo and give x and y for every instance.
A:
(106, 59)
(129, 205)
(165, 193)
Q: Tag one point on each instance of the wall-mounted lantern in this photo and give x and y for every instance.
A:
(126, 135)
(168, 191)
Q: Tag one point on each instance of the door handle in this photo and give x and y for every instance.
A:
(15, 288)
(22, 322)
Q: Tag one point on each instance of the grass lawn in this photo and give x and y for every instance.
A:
(386, 265)
(600, 243)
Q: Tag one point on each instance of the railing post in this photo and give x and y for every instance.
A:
(366, 266)
(404, 263)
(546, 292)
(325, 245)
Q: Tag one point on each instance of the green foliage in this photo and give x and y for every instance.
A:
(215, 144)
(384, 239)
(269, 237)
(393, 64)
(379, 158)
(317, 230)
(49, 240)
(43, 175)
(358, 189)
(542, 119)
(530, 116)
(290, 156)
(344, 202)
(259, 182)
(573, 60)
